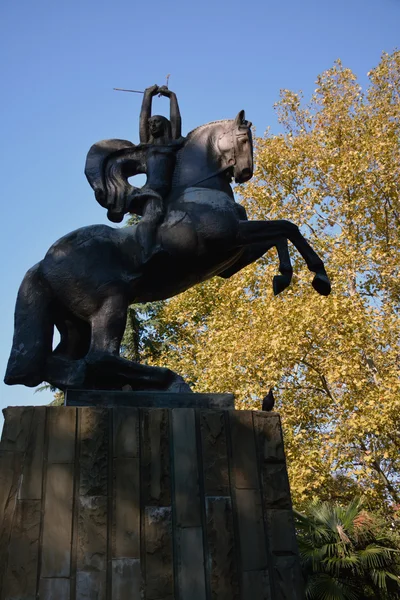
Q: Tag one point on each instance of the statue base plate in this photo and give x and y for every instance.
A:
(149, 399)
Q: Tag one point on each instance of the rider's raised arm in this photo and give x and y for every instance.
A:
(175, 117)
(145, 113)
(175, 114)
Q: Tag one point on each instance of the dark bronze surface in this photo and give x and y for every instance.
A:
(191, 230)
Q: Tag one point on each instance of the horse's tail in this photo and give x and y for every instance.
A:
(33, 331)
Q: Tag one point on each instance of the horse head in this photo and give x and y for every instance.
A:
(215, 148)
(235, 145)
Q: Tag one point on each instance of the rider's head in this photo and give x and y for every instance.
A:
(159, 127)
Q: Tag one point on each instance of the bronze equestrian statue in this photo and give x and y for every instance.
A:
(191, 230)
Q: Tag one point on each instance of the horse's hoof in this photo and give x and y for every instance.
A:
(321, 284)
(280, 283)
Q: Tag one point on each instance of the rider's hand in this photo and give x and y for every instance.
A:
(153, 90)
(164, 91)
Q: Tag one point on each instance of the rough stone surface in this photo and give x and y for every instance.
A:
(92, 533)
(10, 469)
(57, 521)
(90, 585)
(214, 453)
(93, 458)
(244, 457)
(269, 436)
(126, 526)
(126, 579)
(145, 503)
(187, 499)
(275, 486)
(222, 563)
(61, 427)
(156, 462)
(256, 585)
(251, 530)
(54, 589)
(126, 432)
(287, 578)
(17, 428)
(22, 564)
(191, 568)
(159, 578)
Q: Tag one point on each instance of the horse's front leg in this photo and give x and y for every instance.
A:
(255, 232)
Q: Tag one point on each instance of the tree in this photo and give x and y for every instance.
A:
(342, 555)
(333, 362)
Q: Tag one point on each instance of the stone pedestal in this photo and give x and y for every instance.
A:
(114, 502)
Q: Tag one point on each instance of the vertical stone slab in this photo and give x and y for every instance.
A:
(91, 556)
(90, 585)
(214, 453)
(126, 526)
(32, 473)
(186, 472)
(244, 457)
(274, 478)
(93, 459)
(126, 579)
(57, 521)
(256, 584)
(20, 521)
(17, 428)
(284, 561)
(59, 496)
(191, 574)
(221, 564)
(288, 580)
(125, 566)
(269, 436)
(10, 472)
(156, 504)
(251, 530)
(61, 432)
(54, 589)
(159, 578)
(126, 432)
(22, 567)
(156, 475)
(248, 505)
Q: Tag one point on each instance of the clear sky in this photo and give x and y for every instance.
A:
(60, 61)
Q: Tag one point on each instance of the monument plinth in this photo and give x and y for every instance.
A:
(122, 503)
(159, 494)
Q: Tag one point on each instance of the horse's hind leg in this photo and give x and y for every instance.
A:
(33, 331)
(282, 281)
(104, 365)
(75, 336)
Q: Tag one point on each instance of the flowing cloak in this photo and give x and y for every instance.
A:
(109, 164)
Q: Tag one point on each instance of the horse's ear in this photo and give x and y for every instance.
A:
(239, 118)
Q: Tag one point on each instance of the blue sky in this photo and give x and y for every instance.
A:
(60, 61)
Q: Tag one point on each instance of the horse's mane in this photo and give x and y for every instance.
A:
(200, 127)
(190, 138)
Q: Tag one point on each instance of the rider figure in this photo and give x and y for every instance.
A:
(163, 138)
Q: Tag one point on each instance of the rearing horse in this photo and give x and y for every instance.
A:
(87, 280)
